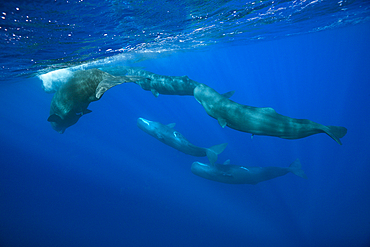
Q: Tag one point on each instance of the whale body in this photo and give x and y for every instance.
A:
(169, 136)
(161, 84)
(259, 120)
(234, 174)
(71, 100)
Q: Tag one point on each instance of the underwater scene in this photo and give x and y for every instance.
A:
(184, 123)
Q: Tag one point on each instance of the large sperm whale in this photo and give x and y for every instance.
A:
(169, 136)
(234, 174)
(259, 121)
(71, 100)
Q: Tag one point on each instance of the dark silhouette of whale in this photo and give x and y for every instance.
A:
(169, 136)
(233, 174)
(71, 100)
(161, 84)
(259, 121)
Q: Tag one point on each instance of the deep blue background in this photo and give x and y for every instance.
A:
(104, 182)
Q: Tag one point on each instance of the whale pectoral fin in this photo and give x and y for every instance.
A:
(222, 122)
(171, 125)
(154, 92)
(228, 94)
(86, 111)
(54, 118)
(159, 136)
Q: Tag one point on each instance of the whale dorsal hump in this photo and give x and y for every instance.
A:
(268, 110)
(154, 92)
(222, 122)
(171, 125)
(54, 118)
(227, 162)
(228, 94)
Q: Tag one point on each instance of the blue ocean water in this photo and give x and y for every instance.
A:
(104, 182)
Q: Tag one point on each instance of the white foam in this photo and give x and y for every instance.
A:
(53, 80)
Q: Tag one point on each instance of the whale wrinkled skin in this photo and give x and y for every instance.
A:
(257, 120)
(71, 100)
(171, 137)
(234, 174)
(162, 84)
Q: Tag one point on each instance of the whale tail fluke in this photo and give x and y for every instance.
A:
(335, 132)
(296, 169)
(214, 151)
(338, 131)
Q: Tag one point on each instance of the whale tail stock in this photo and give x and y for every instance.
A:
(296, 169)
(112, 81)
(335, 132)
(214, 151)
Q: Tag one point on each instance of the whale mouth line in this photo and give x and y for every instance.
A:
(201, 164)
(145, 121)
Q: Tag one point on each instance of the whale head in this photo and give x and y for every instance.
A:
(60, 124)
(216, 172)
(206, 171)
(200, 92)
(145, 125)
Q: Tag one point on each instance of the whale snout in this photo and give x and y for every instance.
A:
(196, 163)
(143, 123)
(200, 92)
(196, 96)
(198, 167)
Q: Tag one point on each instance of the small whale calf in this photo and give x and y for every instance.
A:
(234, 174)
(162, 84)
(169, 136)
(259, 121)
(71, 100)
